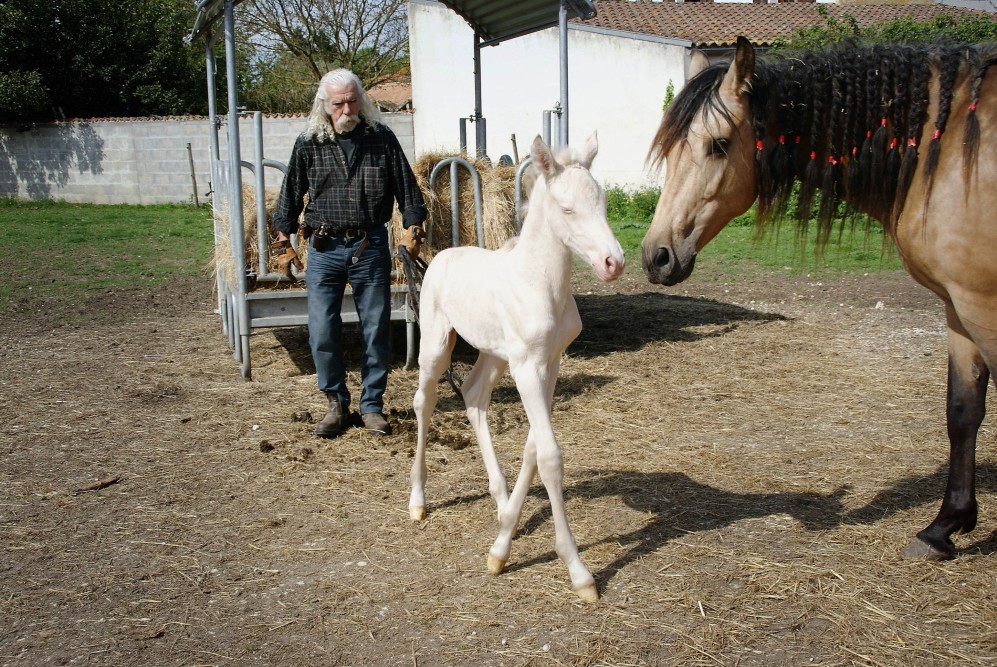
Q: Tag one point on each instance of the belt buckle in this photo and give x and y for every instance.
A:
(351, 234)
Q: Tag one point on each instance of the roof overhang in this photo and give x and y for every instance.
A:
(208, 13)
(495, 22)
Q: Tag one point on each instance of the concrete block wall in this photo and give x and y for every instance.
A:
(141, 161)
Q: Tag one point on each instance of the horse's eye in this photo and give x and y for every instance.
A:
(565, 210)
(718, 147)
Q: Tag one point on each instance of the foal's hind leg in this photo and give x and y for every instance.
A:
(477, 391)
(966, 404)
(433, 361)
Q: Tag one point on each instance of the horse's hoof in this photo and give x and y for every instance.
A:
(417, 513)
(588, 593)
(918, 549)
(495, 565)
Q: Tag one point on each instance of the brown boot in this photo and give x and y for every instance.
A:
(376, 423)
(334, 421)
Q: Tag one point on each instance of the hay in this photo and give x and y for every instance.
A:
(497, 206)
(222, 259)
(497, 215)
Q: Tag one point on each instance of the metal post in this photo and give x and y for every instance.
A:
(262, 235)
(235, 191)
(463, 136)
(480, 137)
(562, 18)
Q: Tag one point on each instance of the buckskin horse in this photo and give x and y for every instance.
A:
(892, 131)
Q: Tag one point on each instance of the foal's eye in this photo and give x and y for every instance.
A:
(718, 147)
(565, 210)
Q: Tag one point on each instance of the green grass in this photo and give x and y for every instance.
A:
(61, 252)
(738, 248)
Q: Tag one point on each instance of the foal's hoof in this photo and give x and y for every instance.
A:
(588, 593)
(495, 565)
(918, 549)
(417, 513)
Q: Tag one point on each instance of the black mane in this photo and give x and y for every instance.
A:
(845, 122)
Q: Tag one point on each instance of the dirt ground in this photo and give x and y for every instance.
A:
(745, 459)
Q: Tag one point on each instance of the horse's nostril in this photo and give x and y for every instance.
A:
(662, 258)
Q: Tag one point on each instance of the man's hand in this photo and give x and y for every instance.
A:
(413, 239)
(286, 257)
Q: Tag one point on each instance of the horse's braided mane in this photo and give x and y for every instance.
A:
(845, 122)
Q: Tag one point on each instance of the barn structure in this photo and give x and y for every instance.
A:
(241, 306)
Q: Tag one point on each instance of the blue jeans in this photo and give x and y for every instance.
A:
(330, 267)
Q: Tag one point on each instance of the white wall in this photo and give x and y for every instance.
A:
(616, 85)
(141, 161)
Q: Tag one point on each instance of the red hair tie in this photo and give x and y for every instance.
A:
(797, 140)
(758, 145)
(868, 133)
(972, 107)
(782, 139)
(937, 134)
(893, 144)
(813, 155)
(882, 123)
(855, 150)
(831, 160)
(911, 142)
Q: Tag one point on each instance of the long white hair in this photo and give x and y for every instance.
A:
(319, 122)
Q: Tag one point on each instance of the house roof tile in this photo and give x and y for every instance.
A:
(710, 24)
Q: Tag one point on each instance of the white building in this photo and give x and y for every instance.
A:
(620, 65)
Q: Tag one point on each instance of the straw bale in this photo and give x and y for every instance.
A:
(497, 214)
(497, 205)
(222, 259)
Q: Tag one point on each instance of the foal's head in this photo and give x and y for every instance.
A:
(572, 205)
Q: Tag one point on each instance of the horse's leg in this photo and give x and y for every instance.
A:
(532, 383)
(433, 361)
(477, 392)
(510, 513)
(965, 407)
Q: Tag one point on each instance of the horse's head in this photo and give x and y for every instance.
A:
(707, 144)
(575, 207)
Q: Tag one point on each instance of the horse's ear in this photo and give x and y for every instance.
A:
(737, 81)
(589, 150)
(698, 61)
(543, 159)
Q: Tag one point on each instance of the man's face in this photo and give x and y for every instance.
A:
(342, 103)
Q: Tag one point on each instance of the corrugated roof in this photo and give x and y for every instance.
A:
(499, 21)
(709, 24)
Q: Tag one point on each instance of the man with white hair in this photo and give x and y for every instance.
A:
(353, 170)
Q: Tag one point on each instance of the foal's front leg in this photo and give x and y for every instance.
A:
(537, 397)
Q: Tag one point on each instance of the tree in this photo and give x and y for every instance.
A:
(292, 38)
(98, 58)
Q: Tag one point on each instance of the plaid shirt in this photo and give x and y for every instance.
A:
(360, 195)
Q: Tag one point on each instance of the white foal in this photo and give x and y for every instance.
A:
(514, 305)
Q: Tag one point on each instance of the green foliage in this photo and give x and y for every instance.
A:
(91, 248)
(857, 244)
(98, 58)
(965, 29)
(669, 95)
(624, 204)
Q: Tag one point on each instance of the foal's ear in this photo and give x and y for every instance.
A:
(543, 159)
(737, 81)
(589, 150)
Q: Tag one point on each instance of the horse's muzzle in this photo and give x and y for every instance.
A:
(663, 267)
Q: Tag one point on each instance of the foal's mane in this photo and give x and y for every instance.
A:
(845, 122)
